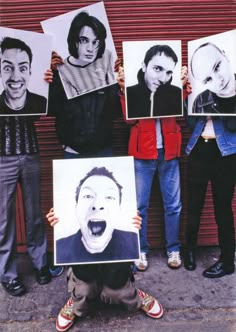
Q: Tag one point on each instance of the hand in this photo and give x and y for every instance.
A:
(118, 64)
(137, 221)
(48, 76)
(52, 219)
(121, 78)
(184, 75)
(56, 60)
(188, 88)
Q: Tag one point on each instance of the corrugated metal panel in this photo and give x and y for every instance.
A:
(132, 20)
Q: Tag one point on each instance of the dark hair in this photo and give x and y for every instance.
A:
(201, 46)
(10, 43)
(84, 19)
(159, 49)
(101, 171)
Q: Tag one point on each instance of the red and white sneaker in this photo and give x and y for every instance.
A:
(150, 305)
(66, 317)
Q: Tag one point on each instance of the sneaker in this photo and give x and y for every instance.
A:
(150, 305)
(56, 271)
(66, 317)
(142, 263)
(174, 259)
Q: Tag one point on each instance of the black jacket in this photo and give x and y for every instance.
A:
(122, 246)
(84, 123)
(167, 100)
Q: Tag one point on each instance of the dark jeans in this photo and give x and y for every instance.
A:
(206, 164)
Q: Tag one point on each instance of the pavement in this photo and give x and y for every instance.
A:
(191, 302)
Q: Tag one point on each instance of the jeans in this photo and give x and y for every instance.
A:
(169, 179)
(207, 164)
(25, 170)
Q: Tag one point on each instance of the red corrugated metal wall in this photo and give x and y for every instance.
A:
(129, 20)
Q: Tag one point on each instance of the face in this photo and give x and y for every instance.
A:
(15, 73)
(97, 210)
(87, 45)
(158, 71)
(212, 69)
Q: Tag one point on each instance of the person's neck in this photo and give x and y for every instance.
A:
(15, 104)
(78, 62)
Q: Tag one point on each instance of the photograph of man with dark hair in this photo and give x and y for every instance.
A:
(102, 229)
(89, 63)
(15, 72)
(154, 95)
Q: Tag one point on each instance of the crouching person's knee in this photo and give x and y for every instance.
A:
(81, 292)
(126, 296)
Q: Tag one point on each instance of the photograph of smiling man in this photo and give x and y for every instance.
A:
(83, 39)
(24, 58)
(212, 69)
(95, 201)
(152, 79)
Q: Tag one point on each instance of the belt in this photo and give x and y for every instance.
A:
(207, 139)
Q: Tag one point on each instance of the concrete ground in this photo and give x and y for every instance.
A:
(191, 302)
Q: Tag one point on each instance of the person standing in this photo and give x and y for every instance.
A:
(212, 155)
(19, 164)
(156, 145)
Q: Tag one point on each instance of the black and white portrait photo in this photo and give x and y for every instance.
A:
(152, 79)
(95, 201)
(24, 58)
(83, 39)
(212, 70)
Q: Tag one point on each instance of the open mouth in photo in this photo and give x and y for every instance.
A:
(96, 227)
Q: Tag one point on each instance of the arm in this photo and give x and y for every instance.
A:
(121, 82)
(187, 89)
(56, 91)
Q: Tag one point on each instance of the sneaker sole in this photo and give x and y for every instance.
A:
(174, 266)
(63, 329)
(158, 315)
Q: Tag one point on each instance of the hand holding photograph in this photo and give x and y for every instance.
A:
(156, 90)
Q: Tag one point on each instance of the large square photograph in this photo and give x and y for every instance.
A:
(83, 39)
(152, 79)
(212, 70)
(24, 58)
(95, 201)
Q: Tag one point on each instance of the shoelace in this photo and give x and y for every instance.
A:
(68, 309)
(147, 300)
(174, 255)
(143, 256)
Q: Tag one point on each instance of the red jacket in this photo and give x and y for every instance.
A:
(142, 142)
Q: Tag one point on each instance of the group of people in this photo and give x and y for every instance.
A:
(84, 127)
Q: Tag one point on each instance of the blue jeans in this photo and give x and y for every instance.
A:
(169, 179)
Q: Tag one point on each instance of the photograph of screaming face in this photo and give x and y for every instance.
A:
(101, 229)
